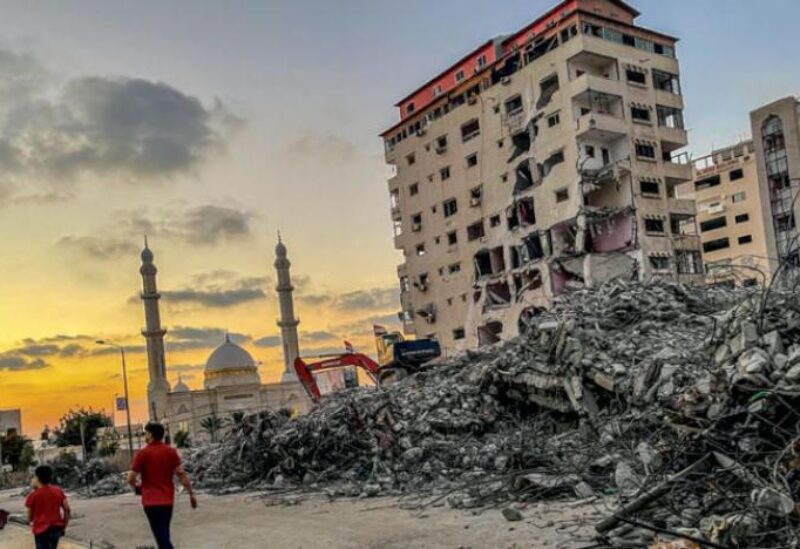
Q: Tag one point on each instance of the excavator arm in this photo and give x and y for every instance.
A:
(305, 371)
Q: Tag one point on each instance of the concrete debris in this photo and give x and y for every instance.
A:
(678, 402)
(512, 515)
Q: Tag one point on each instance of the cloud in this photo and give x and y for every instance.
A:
(215, 298)
(268, 342)
(15, 363)
(183, 338)
(131, 128)
(315, 337)
(359, 300)
(203, 224)
(214, 292)
(99, 248)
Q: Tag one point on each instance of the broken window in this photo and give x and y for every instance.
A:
(454, 268)
(784, 223)
(713, 224)
(411, 159)
(483, 264)
(416, 222)
(475, 195)
(524, 177)
(666, 81)
(707, 183)
(422, 283)
(514, 105)
(746, 239)
(649, 187)
(490, 333)
(428, 313)
(420, 249)
(552, 161)
(522, 144)
(472, 160)
(512, 217)
(743, 218)
(654, 226)
(498, 294)
(459, 334)
(450, 207)
(689, 262)
(548, 87)
(444, 173)
(452, 238)
(553, 120)
(530, 249)
(494, 221)
(562, 195)
(526, 213)
(541, 46)
(735, 175)
(715, 245)
(659, 263)
(413, 189)
(644, 150)
(441, 144)
(527, 281)
(470, 130)
(498, 259)
(641, 114)
(475, 231)
(670, 117)
(636, 76)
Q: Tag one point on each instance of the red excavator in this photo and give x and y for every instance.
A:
(396, 359)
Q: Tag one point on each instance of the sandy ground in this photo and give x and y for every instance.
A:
(240, 521)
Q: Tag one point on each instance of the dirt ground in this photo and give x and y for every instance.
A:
(239, 521)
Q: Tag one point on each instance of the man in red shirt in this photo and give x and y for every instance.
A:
(48, 510)
(156, 464)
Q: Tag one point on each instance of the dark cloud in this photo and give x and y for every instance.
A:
(13, 362)
(217, 290)
(183, 338)
(268, 341)
(99, 248)
(108, 351)
(204, 224)
(131, 128)
(32, 348)
(359, 300)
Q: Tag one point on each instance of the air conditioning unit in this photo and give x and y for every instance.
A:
(506, 80)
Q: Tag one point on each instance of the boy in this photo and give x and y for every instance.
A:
(48, 510)
(157, 463)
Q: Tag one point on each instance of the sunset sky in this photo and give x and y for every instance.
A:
(208, 126)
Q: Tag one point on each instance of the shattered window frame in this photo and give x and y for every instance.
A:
(450, 207)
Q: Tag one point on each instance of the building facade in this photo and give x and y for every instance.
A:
(231, 380)
(776, 136)
(730, 216)
(542, 161)
(10, 422)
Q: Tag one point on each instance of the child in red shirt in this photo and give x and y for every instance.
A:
(48, 510)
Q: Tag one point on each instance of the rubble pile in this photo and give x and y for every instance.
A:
(96, 478)
(679, 407)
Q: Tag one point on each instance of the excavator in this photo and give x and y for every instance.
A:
(397, 358)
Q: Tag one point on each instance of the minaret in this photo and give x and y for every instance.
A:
(158, 387)
(287, 323)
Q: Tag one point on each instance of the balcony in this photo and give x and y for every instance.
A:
(591, 82)
(600, 127)
(682, 206)
(678, 170)
(686, 242)
(514, 122)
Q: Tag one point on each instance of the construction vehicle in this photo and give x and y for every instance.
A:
(397, 358)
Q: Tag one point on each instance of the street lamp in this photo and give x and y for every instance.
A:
(125, 384)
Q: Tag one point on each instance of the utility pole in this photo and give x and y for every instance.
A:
(125, 385)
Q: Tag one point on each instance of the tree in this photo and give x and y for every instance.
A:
(17, 451)
(182, 439)
(68, 432)
(212, 425)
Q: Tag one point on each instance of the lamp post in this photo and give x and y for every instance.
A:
(125, 385)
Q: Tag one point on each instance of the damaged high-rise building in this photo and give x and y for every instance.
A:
(541, 161)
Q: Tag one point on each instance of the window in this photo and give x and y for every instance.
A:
(513, 105)
(475, 196)
(665, 81)
(411, 159)
(562, 195)
(494, 221)
(459, 333)
(499, 143)
(460, 76)
(640, 114)
(437, 91)
(394, 198)
(707, 183)
(669, 117)
(746, 239)
(441, 144)
(739, 197)
(421, 249)
(452, 238)
(547, 88)
(553, 120)
(736, 175)
(475, 231)
(454, 268)
(784, 223)
(450, 207)
(589, 149)
(470, 130)
(504, 178)
(416, 222)
(413, 189)
(637, 77)
(444, 173)
(644, 150)
(713, 224)
(650, 187)
(410, 108)
(689, 262)
(472, 160)
(715, 245)
(660, 263)
(655, 226)
(743, 218)
(482, 61)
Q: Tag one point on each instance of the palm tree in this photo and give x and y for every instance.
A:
(212, 425)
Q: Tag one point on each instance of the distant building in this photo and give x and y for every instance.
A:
(10, 422)
(541, 161)
(231, 379)
(730, 216)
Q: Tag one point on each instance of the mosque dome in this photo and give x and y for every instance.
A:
(180, 387)
(229, 365)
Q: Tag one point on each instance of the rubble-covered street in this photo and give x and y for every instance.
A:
(672, 408)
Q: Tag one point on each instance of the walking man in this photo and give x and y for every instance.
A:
(48, 510)
(157, 464)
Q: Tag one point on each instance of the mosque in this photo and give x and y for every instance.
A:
(231, 379)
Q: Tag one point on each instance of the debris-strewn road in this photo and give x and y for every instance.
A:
(223, 522)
